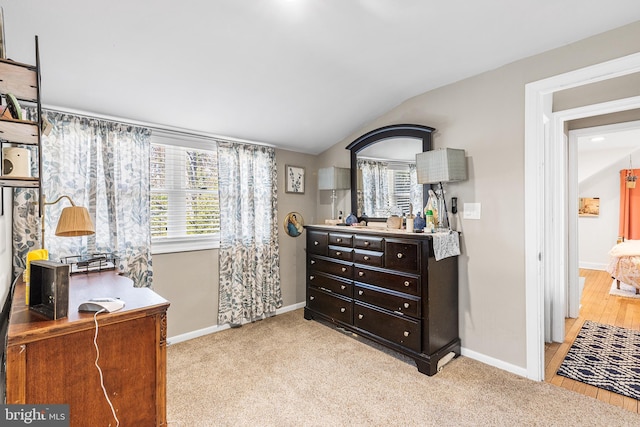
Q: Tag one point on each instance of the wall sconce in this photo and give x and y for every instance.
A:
(438, 166)
(74, 220)
(334, 178)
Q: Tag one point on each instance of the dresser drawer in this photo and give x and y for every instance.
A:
(402, 303)
(341, 239)
(368, 242)
(362, 256)
(339, 252)
(333, 284)
(317, 242)
(402, 255)
(404, 331)
(332, 305)
(339, 268)
(405, 283)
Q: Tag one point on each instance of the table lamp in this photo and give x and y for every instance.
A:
(74, 220)
(438, 166)
(334, 178)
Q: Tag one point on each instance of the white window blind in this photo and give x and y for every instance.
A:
(185, 210)
(400, 187)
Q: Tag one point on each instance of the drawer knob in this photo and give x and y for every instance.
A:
(312, 298)
(312, 277)
(343, 269)
(342, 309)
(313, 261)
(400, 255)
(338, 253)
(406, 283)
(361, 292)
(406, 305)
(338, 240)
(343, 287)
(366, 243)
(316, 243)
(360, 273)
(406, 333)
(366, 258)
(360, 316)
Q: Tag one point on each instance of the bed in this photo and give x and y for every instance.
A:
(624, 263)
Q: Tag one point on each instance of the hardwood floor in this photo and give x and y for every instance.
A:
(599, 306)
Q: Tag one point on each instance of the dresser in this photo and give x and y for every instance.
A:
(52, 361)
(385, 286)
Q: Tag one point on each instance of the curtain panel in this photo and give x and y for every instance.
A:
(103, 166)
(249, 258)
(629, 227)
(375, 188)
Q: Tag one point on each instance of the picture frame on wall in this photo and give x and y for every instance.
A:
(589, 207)
(294, 179)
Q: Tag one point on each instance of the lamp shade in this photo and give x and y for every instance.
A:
(334, 178)
(443, 165)
(75, 221)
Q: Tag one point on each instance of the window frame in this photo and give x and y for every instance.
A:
(166, 245)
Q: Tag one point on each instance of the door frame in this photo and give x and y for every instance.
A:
(545, 202)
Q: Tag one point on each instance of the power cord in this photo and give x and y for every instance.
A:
(104, 390)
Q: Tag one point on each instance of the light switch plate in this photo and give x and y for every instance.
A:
(472, 211)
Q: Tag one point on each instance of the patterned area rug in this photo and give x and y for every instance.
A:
(606, 357)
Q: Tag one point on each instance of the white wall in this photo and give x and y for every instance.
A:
(597, 235)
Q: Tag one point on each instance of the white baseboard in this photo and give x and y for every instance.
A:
(217, 328)
(494, 362)
(592, 265)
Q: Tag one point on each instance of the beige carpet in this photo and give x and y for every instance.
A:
(287, 371)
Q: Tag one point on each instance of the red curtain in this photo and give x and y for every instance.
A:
(629, 207)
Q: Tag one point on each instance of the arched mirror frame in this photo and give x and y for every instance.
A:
(393, 131)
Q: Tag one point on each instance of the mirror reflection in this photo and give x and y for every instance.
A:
(387, 179)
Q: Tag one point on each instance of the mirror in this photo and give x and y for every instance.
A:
(390, 149)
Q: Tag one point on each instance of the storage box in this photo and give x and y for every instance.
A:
(49, 288)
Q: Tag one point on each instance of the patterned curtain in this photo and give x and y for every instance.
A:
(416, 190)
(375, 187)
(103, 166)
(249, 254)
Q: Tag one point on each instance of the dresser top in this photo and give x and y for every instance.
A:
(26, 325)
(372, 230)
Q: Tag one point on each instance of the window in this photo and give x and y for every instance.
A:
(185, 210)
(399, 187)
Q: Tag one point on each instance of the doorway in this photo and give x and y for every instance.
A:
(545, 188)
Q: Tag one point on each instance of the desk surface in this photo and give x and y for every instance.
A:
(27, 326)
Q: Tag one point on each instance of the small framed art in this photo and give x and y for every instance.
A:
(294, 179)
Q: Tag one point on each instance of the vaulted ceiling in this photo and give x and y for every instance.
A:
(299, 74)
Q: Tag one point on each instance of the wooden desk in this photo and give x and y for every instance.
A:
(52, 361)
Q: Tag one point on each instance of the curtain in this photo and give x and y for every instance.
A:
(249, 254)
(629, 227)
(416, 190)
(103, 166)
(375, 188)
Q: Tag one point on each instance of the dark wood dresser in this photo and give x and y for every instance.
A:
(52, 361)
(386, 286)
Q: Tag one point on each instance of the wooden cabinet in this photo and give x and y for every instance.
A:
(52, 361)
(385, 286)
(22, 81)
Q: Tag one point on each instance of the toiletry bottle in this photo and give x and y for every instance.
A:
(430, 224)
